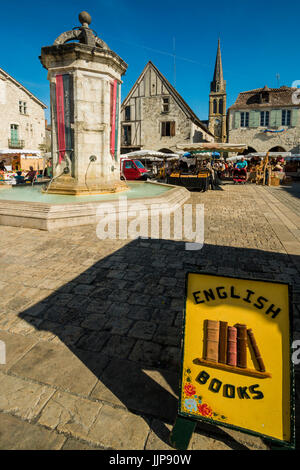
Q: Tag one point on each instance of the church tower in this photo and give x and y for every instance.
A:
(217, 101)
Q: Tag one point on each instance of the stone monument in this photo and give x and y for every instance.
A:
(85, 93)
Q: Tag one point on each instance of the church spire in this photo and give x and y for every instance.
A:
(217, 101)
(218, 83)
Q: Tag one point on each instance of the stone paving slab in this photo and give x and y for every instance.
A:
(16, 348)
(23, 398)
(70, 414)
(93, 334)
(57, 366)
(16, 434)
(119, 429)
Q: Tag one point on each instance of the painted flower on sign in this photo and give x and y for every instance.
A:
(190, 404)
(205, 410)
(189, 390)
(193, 403)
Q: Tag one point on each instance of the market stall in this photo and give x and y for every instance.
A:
(265, 168)
(292, 166)
(201, 174)
(155, 161)
(193, 171)
(13, 161)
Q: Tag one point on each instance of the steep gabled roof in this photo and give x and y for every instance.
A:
(19, 85)
(174, 93)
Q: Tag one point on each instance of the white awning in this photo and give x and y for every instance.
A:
(271, 154)
(222, 147)
(148, 153)
(20, 152)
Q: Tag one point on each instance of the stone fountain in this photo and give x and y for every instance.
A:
(85, 96)
(85, 93)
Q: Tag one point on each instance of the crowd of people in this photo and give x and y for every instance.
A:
(227, 169)
(240, 169)
(21, 176)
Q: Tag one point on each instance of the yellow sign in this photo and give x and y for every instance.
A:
(236, 368)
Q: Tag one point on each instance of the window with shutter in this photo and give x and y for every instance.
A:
(168, 129)
(286, 117)
(264, 118)
(245, 119)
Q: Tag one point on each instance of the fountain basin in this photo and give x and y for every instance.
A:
(28, 207)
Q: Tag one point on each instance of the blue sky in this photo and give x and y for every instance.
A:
(259, 39)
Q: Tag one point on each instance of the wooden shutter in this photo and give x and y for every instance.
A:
(253, 119)
(237, 119)
(256, 118)
(172, 128)
(273, 115)
(163, 129)
(278, 117)
(294, 119)
(14, 133)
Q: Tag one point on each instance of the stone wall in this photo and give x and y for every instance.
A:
(152, 119)
(263, 142)
(31, 126)
(147, 116)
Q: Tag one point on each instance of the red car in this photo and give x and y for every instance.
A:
(133, 169)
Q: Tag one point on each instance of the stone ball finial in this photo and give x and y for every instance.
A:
(85, 18)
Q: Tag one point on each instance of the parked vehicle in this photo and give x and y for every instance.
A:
(133, 170)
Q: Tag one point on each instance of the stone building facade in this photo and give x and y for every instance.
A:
(22, 116)
(154, 116)
(217, 101)
(266, 119)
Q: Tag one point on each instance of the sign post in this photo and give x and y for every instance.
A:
(236, 359)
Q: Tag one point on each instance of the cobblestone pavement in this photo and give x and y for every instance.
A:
(92, 328)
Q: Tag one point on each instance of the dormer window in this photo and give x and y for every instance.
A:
(264, 97)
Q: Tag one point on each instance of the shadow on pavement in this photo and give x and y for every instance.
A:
(293, 189)
(123, 318)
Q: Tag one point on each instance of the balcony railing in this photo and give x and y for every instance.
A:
(16, 144)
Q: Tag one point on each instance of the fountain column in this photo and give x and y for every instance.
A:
(85, 96)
